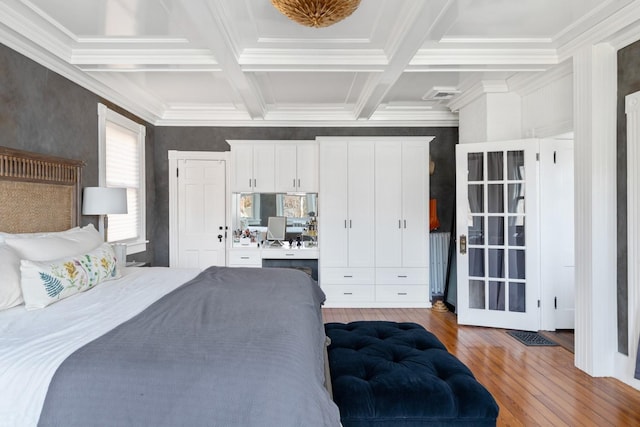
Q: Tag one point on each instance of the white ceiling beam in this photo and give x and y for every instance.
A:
(420, 19)
(208, 26)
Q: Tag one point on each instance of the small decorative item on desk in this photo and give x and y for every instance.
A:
(312, 230)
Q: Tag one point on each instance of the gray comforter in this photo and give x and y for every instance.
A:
(232, 347)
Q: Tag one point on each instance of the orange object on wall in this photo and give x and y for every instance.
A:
(434, 222)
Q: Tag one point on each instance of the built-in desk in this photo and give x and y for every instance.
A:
(258, 257)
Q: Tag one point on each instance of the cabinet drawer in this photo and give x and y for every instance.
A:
(345, 293)
(245, 258)
(348, 276)
(402, 293)
(269, 253)
(399, 276)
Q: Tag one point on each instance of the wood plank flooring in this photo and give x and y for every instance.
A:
(534, 386)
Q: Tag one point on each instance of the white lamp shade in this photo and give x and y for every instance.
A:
(104, 201)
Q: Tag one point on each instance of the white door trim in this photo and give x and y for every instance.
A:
(626, 364)
(174, 156)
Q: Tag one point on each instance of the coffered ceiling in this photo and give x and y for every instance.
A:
(241, 62)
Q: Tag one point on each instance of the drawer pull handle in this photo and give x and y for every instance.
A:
(347, 293)
(289, 254)
(402, 277)
(348, 277)
(244, 257)
(402, 293)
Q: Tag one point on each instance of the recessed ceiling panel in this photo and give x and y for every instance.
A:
(184, 87)
(517, 19)
(301, 88)
(115, 18)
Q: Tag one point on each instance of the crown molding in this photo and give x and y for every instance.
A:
(143, 57)
(526, 83)
(475, 91)
(442, 56)
(624, 21)
(329, 57)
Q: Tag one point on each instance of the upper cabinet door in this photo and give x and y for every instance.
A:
(307, 168)
(242, 168)
(285, 170)
(263, 167)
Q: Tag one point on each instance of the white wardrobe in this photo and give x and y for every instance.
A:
(373, 221)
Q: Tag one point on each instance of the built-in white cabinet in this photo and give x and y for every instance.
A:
(401, 220)
(373, 214)
(274, 166)
(296, 167)
(253, 165)
(346, 203)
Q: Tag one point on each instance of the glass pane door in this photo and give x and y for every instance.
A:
(494, 198)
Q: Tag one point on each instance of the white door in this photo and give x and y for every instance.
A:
(388, 201)
(264, 162)
(361, 193)
(307, 167)
(415, 204)
(333, 233)
(201, 213)
(498, 236)
(242, 168)
(285, 168)
(557, 252)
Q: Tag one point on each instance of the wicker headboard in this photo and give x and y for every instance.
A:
(38, 192)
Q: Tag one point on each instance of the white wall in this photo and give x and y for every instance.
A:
(491, 117)
(547, 104)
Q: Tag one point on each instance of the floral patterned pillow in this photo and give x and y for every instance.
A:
(46, 282)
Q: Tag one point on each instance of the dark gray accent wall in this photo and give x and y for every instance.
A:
(44, 112)
(442, 150)
(628, 82)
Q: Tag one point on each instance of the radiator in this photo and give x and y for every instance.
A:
(438, 258)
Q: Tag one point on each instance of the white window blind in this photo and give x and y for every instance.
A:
(123, 170)
(122, 165)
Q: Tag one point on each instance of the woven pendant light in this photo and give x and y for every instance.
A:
(316, 13)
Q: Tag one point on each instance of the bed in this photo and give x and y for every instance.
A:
(147, 345)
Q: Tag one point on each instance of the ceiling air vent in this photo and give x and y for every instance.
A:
(440, 94)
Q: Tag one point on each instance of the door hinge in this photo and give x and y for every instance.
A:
(177, 172)
(555, 302)
(538, 303)
(554, 157)
(537, 157)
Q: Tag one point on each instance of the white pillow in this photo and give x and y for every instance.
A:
(10, 292)
(46, 282)
(4, 235)
(56, 245)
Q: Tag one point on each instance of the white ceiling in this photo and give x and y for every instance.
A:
(241, 62)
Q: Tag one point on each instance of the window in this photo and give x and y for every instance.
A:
(121, 164)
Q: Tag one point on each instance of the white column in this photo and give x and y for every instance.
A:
(595, 83)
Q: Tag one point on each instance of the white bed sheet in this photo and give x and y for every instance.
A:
(34, 343)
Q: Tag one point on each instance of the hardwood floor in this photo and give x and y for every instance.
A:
(532, 385)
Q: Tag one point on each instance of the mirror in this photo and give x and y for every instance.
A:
(277, 229)
(253, 210)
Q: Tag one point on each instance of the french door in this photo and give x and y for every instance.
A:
(498, 234)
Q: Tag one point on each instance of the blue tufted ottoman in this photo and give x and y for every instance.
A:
(400, 375)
